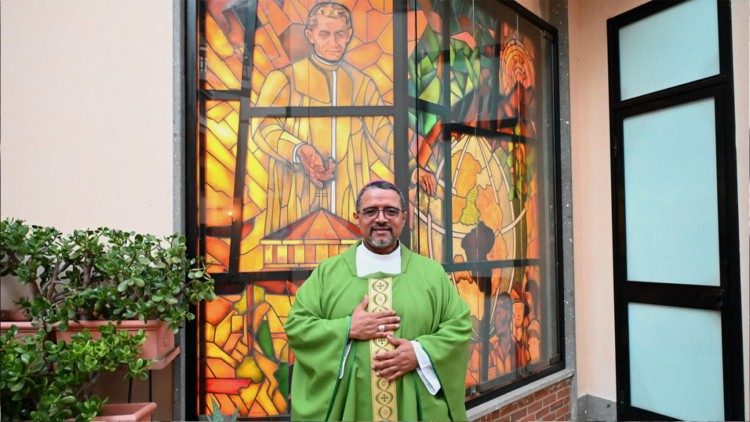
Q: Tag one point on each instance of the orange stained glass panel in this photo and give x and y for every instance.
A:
(224, 38)
(468, 287)
(280, 41)
(220, 132)
(278, 195)
(217, 254)
(247, 356)
(484, 218)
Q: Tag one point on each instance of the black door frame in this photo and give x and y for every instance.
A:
(724, 298)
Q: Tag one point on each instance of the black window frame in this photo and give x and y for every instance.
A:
(233, 281)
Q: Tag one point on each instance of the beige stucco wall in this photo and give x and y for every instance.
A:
(86, 104)
(86, 137)
(741, 52)
(592, 235)
(592, 211)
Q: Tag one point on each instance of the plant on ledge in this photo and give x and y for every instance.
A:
(46, 381)
(102, 274)
(27, 252)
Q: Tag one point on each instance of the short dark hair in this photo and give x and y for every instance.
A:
(380, 184)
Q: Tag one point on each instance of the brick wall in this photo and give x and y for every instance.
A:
(548, 404)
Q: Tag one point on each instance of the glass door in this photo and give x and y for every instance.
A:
(675, 213)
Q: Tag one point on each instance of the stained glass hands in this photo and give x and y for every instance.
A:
(426, 179)
(312, 164)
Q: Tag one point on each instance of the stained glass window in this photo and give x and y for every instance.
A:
(451, 100)
(481, 78)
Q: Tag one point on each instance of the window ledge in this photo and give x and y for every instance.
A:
(480, 410)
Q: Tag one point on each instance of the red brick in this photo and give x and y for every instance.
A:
(565, 392)
(563, 414)
(543, 417)
(518, 414)
(549, 400)
(556, 405)
(497, 416)
(509, 407)
(527, 418)
(541, 393)
(534, 407)
(555, 387)
(526, 400)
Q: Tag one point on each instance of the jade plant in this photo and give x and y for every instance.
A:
(102, 274)
(42, 380)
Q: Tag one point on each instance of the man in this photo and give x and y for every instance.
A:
(502, 351)
(341, 315)
(320, 162)
(520, 311)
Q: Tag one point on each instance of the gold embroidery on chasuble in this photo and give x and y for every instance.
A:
(384, 406)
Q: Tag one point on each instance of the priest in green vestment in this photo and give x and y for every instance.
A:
(379, 332)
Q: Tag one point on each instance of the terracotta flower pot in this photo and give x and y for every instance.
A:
(9, 318)
(159, 342)
(126, 412)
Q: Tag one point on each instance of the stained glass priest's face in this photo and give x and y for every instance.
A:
(380, 219)
(329, 37)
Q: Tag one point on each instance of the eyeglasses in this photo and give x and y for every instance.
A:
(372, 213)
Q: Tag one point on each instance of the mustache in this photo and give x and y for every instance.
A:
(386, 227)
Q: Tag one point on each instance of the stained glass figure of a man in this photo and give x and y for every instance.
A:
(320, 162)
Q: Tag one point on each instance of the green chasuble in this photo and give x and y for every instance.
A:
(431, 312)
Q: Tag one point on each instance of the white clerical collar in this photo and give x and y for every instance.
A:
(369, 262)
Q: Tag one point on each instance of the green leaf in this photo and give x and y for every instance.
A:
(263, 336)
(68, 400)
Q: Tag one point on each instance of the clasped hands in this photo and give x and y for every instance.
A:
(370, 325)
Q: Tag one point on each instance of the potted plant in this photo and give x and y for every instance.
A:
(26, 257)
(85, 279)
(90, 277)
(42, 380)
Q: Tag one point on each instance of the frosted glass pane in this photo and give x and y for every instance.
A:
(675, 362)
(672, 47)
(670, 195)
